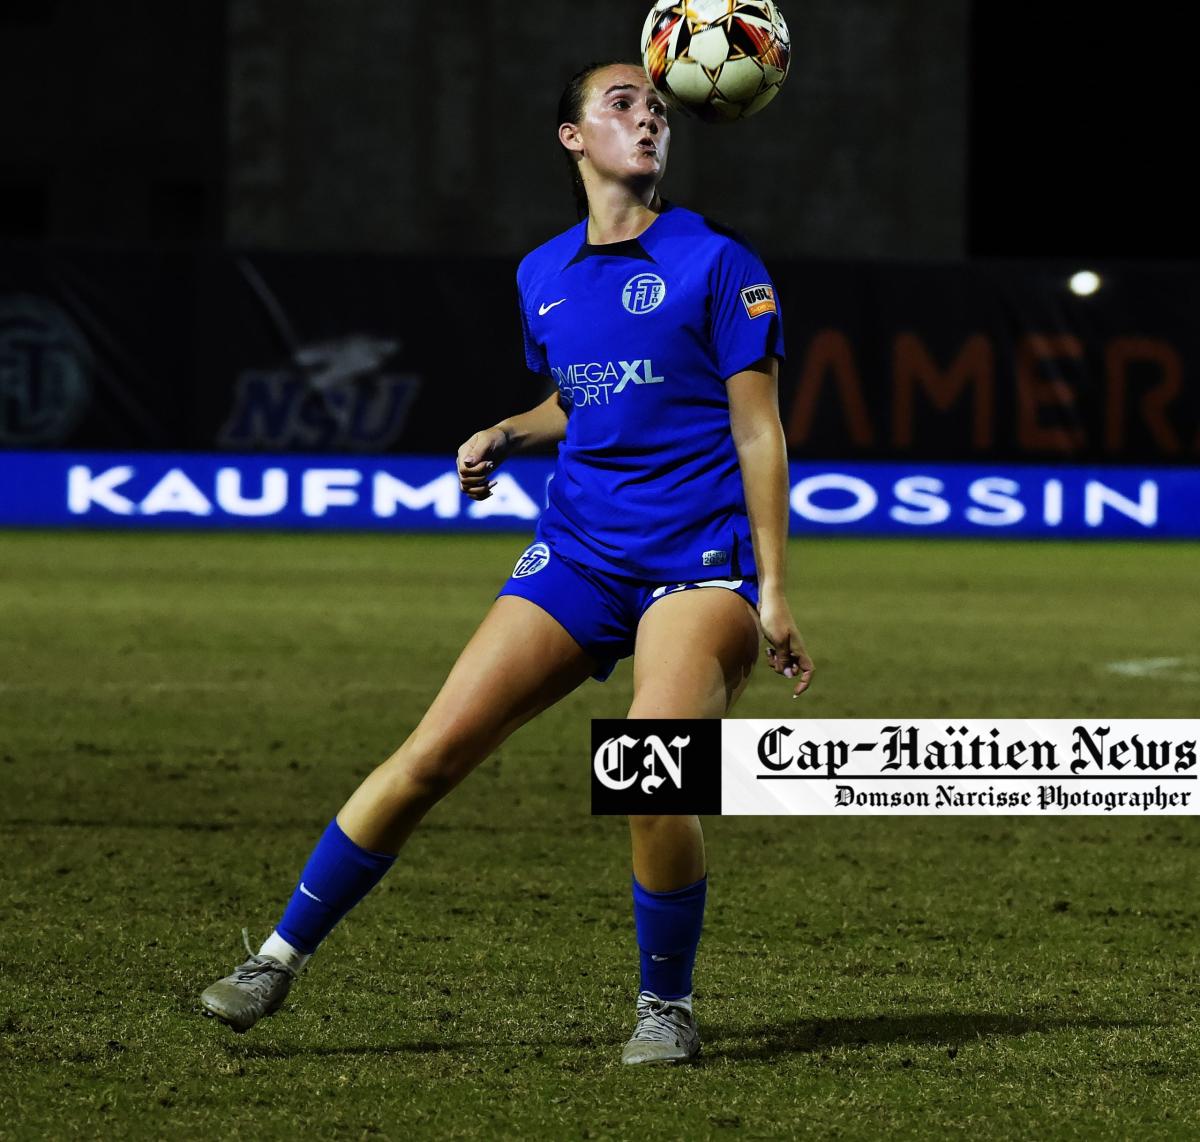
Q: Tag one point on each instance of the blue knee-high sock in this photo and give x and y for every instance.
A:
(668, 934)
(338, 875)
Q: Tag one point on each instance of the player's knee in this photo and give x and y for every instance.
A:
(425, 784)
(428, 766)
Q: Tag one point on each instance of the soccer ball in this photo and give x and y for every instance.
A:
(719, 60)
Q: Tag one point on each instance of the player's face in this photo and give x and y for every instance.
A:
(624, 132)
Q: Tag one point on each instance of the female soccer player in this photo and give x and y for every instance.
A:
(665, 529)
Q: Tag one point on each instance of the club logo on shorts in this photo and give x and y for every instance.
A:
(759, 299)
(532, 560)
(643, 292)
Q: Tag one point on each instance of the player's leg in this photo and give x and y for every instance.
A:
(694, 654)
(519, 661)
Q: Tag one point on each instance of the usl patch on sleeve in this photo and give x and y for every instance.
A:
(759, 299)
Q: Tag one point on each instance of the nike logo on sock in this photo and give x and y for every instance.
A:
(310, 895)
(658, 959)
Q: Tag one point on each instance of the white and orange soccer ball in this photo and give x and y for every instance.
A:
(719, 60)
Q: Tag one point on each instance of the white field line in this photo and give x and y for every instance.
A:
(1166, 669)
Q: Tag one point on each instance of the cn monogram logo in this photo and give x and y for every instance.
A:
(616, 767)
(638, 766)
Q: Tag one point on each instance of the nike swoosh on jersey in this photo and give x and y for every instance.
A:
(544, 309)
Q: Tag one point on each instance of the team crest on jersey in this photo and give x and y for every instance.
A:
(643, 293)
(532, 560)
(759, 299)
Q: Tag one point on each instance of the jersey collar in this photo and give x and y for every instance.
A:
(630, 248)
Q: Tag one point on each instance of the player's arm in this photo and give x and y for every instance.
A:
(762, 454)
(484, 452)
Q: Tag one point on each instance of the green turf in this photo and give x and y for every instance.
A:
(180, 715)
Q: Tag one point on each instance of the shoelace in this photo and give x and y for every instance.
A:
(658, 1021)
(257, 965)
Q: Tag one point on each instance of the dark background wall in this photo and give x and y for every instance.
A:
(1081, 131)
(113, 120)
(407, 126)
(432, 127)
(936, 128)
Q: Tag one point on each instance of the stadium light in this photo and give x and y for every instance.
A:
(1084, 283)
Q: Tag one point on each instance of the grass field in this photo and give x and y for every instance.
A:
(180, 716)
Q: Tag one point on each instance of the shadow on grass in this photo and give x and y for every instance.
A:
(947, 1029)
(941, 1029)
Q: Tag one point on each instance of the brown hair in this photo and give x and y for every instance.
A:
(570, 110)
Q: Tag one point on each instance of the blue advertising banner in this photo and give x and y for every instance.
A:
(180, 490)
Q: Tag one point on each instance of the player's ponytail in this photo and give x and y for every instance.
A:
(570, 110)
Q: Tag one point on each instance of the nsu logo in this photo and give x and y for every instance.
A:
(615, 770)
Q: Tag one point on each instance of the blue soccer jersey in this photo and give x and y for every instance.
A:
(640, 337)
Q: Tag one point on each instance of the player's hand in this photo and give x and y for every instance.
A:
(786, 655)
(478, 458)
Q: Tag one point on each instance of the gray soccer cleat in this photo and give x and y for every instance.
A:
(665, 1033)
(253, 991)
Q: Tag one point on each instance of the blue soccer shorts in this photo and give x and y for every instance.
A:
(599, 611)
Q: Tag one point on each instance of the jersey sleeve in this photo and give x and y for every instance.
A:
(746, 324)
(535, 353)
